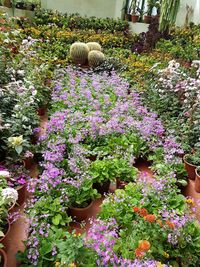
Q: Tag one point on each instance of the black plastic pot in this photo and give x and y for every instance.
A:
(20, 5)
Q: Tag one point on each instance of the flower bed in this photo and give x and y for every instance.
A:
(94, 115)
(98, 128)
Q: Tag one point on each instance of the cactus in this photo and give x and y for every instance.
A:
(94, 46)
(95, 58)
(79, 53)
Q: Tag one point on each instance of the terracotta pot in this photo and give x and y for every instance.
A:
(147, 19)
(102, 188)
(127, 17)
(3, 258)
(6, 232)
(41, 111)
(134, 18)
(197, 182)
(21, 194)
(190, 168)
(28, 163)
(121, 184)
(80, 214)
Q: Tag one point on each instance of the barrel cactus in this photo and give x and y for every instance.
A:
(79, 53)
(95, 58)
(94, 46)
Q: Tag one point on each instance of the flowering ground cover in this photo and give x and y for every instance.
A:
(100, 123)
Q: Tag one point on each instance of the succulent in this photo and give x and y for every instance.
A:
(79, 53)
(95, 58)
(94, 46)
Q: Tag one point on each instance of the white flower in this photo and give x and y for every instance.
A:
(34, 92)
(4, 174)
(9, 195)
(21, 72)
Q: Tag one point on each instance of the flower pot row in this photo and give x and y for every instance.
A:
(135, 18)
(193, 173)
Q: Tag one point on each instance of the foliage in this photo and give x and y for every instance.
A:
(193, 158)
(72, 250)
(110, 169)
(75, 21)
(169, 10)
(81, 197)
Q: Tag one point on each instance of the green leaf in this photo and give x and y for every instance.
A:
(19, 149)
(56, 220)
(1, 234)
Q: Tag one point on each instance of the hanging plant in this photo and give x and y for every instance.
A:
(169, 10)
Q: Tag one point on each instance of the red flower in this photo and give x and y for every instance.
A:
(139, 253)
(150, 218)
(170, 224)
(136, 209)
(144, 245)
(143, 212)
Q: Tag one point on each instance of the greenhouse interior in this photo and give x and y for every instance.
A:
(100, 133)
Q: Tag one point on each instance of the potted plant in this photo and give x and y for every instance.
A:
(102, 172)
(125, 173)
(197, 180)
(126, 10)
(4, 223)
(20, 5)
(191, 162)
(81, 199)
(134, 12)
(147, 17)
(72, 251)
(17, 179)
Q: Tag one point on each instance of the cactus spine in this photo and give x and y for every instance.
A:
(79, 53)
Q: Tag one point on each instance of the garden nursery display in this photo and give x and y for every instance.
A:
(110, 123)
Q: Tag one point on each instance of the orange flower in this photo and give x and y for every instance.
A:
(150, 218)
(136, 209)
(160, 223)
(170, 224)
(144, 245)
(139, 253)
(143, 212)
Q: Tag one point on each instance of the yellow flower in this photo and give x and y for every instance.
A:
(72, 265)
(166, 255)
(15, 141)
(57, 264)
(190, 201)
(159, 264)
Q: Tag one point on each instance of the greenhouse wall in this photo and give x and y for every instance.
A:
(97, 8)
(194, 16)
